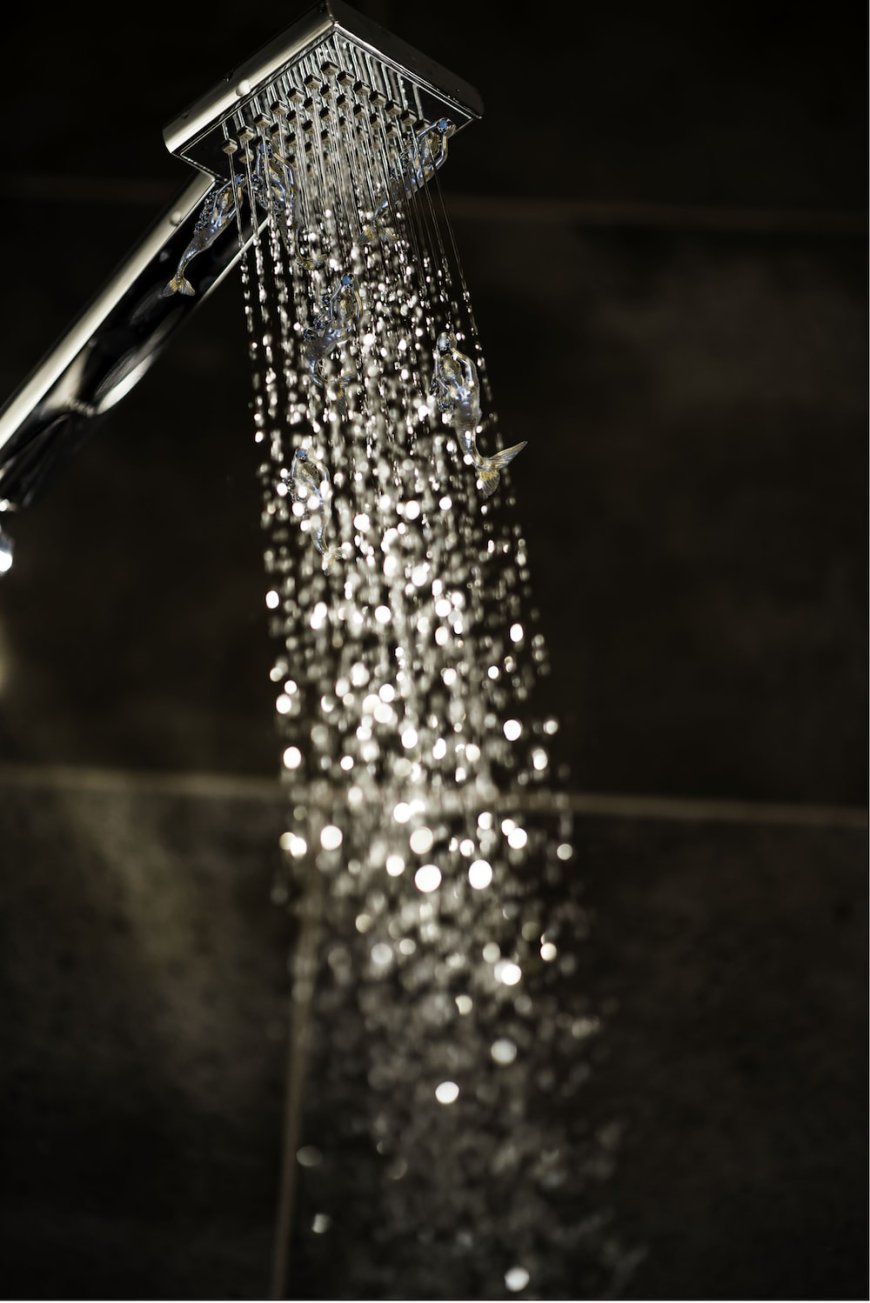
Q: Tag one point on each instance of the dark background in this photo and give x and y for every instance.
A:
(662, 221)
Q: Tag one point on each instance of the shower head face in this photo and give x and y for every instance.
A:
(360, 56)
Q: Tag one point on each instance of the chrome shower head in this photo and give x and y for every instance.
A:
(117, 337)
(331, 40)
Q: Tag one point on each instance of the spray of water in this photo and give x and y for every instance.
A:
(439, 1028)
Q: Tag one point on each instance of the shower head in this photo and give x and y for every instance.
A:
(120, 333)
(330, 40)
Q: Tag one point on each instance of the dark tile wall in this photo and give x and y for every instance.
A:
(143, 1015)
(661, 219)
(143, 1028)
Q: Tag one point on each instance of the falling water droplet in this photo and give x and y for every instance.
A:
(7, 550)
(516, 1279)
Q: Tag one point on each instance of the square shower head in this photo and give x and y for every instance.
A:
(330, 38)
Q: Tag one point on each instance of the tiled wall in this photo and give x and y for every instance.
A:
(660, 220)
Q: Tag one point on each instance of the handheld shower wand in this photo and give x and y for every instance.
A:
(120, 333)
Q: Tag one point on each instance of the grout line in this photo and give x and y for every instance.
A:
(658, 216)
(300, 1017)
(158, 782)
(147, 192)
(45, 187)
(587, 804)
(709, 810)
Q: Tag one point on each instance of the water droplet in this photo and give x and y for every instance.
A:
(516, 1279)
(7, 551)
(480, 874)
(507, 973)
(427, 878)
(309, 1156)
(421, 841)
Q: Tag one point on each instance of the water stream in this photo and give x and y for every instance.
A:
(442, 1036)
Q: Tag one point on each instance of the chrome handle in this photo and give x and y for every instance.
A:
(108, 348)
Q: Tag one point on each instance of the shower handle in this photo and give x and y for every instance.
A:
(108, 348)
